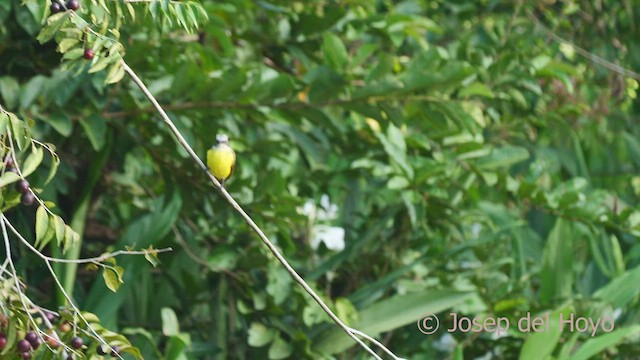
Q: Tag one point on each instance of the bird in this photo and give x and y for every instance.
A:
(221, 159)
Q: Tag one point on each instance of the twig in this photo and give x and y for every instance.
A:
(79, 261)
(590, 56)
(350, 332)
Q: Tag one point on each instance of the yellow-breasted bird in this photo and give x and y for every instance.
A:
(221, 158)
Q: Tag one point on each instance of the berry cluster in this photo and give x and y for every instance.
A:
(22, 186)
(31, 341)
(57, 6)
(76, 342)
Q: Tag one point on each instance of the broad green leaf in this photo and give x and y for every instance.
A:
(395, 146)
(503, 157)
(556, 275)
(392, 313)
(476, 89)
(597, 345)
(618, 293)
(10, 92)
(278, 284)
(260, 335)
(170, 324)
(95, 127)
(177, 346)
(30, 91)
(60, 122)
(540, 344)
(280, 349)
(334, 51)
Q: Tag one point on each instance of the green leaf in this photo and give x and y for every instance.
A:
(32, 161)
(618, 293)
(74, 54)
(59, 227)
(280, 349)
(477, 89)
(152, 257)
(111, 279)
(503, 157)
(66, 44)
(116, 73)
(31, 90)
(170, 324)
(556, 275)
(4, 122)
(95, 127)
(60, 122)
(10, 91)
(392, 313)
(71, 238)
(260, 335)
(334, 51)
(279, 284)
(395, 146)
(19, 132)
(101, 64)
(42, 225)
(54, 23)
(597, 345)
(7, 178)
(540, 344)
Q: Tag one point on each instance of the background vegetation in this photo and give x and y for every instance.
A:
(408, 157)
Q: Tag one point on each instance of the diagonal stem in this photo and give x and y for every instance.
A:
(350, 332)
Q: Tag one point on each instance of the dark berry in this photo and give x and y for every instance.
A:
(77, 342)
(31, 337)
(24, 346)
(3, 342)
(73, 5)
(114, 351)
(88, 54)
(27, 199)
(50, 317)
(55, 7)
(100, 350)
(9, 162)
(26, 355)
(22, 186)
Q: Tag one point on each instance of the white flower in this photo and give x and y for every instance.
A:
(331, 236)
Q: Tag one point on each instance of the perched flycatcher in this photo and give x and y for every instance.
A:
(221, 158)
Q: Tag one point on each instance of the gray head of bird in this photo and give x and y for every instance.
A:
(222, 139)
